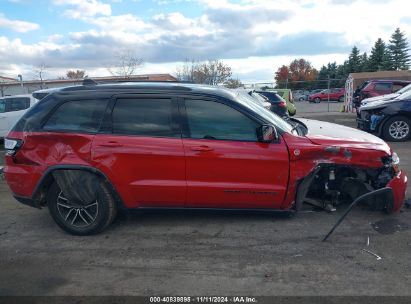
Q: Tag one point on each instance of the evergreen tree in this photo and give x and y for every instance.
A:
(399, 51)
(364, 62)
(378, 58)
(354, 61)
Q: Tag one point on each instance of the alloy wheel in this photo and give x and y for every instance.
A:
(399, 129)
(77, 214)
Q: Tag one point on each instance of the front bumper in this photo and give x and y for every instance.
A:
(399, 189)
(363, 124)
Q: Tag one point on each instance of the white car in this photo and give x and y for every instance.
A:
(387, 96)
(11, 109)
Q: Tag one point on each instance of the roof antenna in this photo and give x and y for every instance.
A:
(89, 81)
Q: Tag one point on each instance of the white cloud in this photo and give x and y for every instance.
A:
(83, 9)
(255, 37)
(17, 25)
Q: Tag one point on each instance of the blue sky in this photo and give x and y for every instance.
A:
(254, 37)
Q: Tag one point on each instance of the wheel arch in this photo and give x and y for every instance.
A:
(47, 180)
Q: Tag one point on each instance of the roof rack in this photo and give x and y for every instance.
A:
(90, 81)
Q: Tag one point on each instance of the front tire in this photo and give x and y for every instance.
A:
(80, 218)
(341, 99)
(317, 100)
(397, 128)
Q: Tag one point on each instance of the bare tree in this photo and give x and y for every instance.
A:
(39, 72)
(76, 74)
(212, 72)
(233, 83)
(126, 64)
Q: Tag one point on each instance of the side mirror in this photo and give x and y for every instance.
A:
(267, 134)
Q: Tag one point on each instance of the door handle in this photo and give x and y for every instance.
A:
(111, 144)
(201, 148)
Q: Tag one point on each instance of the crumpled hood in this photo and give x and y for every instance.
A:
(379, 98)
(326, 133)
(377, 104)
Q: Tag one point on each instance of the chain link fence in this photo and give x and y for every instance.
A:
(327, 95)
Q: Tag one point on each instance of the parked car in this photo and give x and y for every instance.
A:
(390, 119)
(11, 109)
(287, 95)
(88, 150)
(331, 94)
(372, 88)
(257, 98)
(301, 95)
(278, 104)
(386, 96)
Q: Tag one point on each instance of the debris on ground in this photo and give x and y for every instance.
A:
(372, 253)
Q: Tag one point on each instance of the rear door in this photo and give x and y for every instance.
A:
(141, 151)
(226, 166)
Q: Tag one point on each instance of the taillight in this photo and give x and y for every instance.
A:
(282, 104)
(12, 145)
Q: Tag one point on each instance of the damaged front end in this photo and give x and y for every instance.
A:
(333, 185)
(329, 175)
(370, 120)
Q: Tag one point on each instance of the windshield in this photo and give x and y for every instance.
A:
(406, 95)
(404, 89)
(276, 120)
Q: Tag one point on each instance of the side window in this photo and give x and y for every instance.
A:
(145, 117)
(383, 86)
(213, 120)
(2, 105)
(18, 104)
(78, 115)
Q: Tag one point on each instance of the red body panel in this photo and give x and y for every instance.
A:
(231, 174)
(399, 187)
(174, 172)
(333, 95)
(146, 171)
(40, 151)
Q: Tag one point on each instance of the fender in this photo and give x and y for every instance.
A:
(38, 194)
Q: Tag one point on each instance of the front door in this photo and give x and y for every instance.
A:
(226, 165)
(143, 154)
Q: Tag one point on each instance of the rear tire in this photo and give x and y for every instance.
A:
(80, 218)
(341, 99)
(397, 128)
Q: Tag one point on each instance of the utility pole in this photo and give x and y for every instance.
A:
(21, 82)
(328, 90)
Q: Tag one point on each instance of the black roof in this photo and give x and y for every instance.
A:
(149, 87)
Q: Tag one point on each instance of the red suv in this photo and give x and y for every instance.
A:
(86, 151)
(372, 88)
(334, 94)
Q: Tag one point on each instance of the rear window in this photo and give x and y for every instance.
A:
(78, 115)
(383, 86)
(272, 97)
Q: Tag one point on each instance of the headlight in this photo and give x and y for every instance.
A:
(395, 159)
(395, 162)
